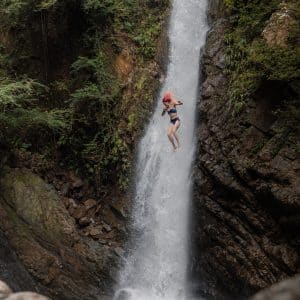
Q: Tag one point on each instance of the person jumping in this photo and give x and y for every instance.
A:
(170, 104)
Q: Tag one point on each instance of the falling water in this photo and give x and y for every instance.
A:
(156, 266)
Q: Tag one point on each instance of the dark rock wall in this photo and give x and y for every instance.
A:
(68, 264)
(246, 209)
(12, 270)
(68, 233)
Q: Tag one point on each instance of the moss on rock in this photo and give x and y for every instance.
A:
(41, 231)
(37, 205)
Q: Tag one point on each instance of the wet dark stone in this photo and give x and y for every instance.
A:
(12, 271)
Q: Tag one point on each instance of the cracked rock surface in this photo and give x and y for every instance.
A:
(246, 207)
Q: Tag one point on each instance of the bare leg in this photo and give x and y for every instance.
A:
(170, 136)
(174, 130)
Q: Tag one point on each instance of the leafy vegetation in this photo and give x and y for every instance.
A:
(71, 104)
(249, 59)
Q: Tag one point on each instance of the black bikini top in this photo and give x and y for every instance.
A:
(172, 111)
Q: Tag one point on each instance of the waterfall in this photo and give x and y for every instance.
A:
(156, 265)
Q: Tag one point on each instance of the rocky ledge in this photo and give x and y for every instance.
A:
(246, 207)
(61, 242)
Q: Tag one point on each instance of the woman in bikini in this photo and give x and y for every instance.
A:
(170, 104)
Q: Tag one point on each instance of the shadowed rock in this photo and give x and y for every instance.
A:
(246, 209)
(44, 235)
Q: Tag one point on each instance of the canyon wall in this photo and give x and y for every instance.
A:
(246, 209)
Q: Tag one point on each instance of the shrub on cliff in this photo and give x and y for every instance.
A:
(22, 123)
(74, 111)
(250, 60)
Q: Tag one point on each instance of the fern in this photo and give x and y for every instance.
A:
(17, 93)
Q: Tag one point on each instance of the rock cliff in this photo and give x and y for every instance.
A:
(246, 207)
(42, 232)
(12, 269)
(63, 204)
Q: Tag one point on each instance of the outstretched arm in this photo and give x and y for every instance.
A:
(175, 101)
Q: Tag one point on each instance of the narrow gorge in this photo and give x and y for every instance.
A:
(93, 202)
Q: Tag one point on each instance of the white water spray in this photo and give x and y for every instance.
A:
(156, 266)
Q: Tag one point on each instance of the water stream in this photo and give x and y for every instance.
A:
(155, 269)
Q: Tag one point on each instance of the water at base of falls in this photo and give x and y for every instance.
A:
(130, 294)
(155, 268)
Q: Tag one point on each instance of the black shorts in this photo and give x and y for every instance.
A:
(173, 121)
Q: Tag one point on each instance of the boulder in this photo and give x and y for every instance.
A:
(7, 294)
(4, 289)
(277, 30)
(43, 234)
(95, 231)
(107, 228)
(76, 181)
(79, 212)
(26, 296)
(288, 289)
(85, 221)
(90, 203)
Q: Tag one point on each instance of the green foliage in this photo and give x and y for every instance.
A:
(129, 16)
(132, 120)
(21, 121)
(258, 146)
(230, 3)
(80, 116)
(146, 38)
(295, 28)
(95, 68)
(249, 60)
(275, 63)
(45, 4)
(241, 88)
(94, 139)
(27, 120)
(102, 9)
(17, 93)
(13, 12)
(110, 155)
(96, 104)
(290, 118)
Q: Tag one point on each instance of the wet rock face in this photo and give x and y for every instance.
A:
(12, 269)
(216, 10)
(246, 210)
(48, 242)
